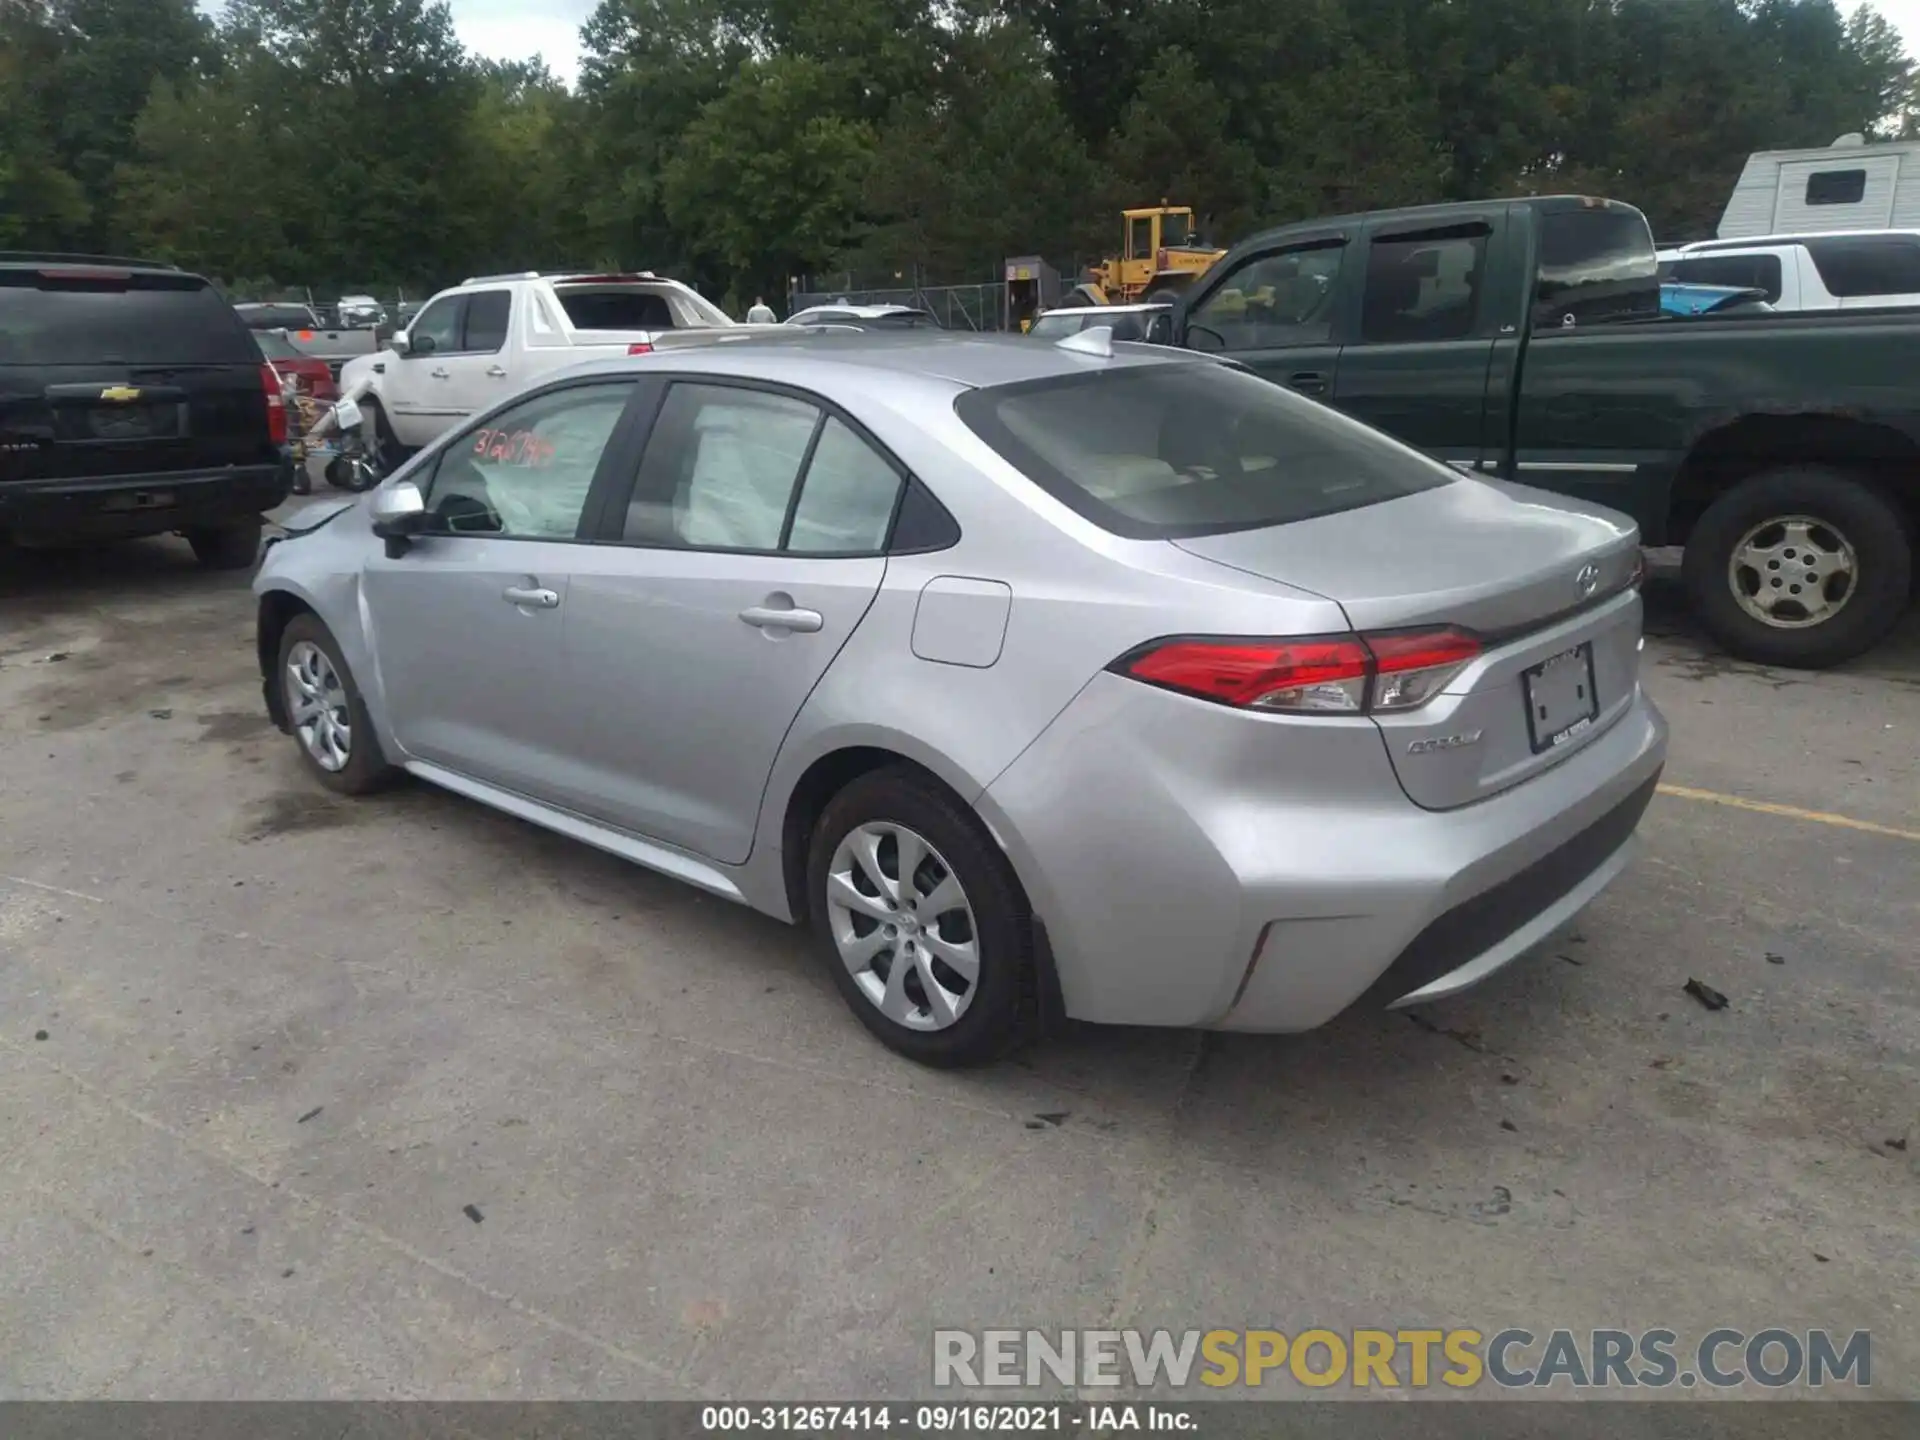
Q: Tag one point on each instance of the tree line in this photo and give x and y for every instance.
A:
(737, 143)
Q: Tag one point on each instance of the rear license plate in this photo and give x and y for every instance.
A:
(1561, 701)
(133, 422)
(139, 500)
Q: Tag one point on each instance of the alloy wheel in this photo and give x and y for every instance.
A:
(1793, 571)
(903, 926)
(317, 705)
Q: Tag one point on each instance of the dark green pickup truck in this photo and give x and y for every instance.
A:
(1523, 339)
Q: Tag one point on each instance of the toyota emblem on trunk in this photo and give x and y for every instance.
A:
(1587, 581)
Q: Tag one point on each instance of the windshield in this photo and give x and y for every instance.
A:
(903, 320)
(138, 319)
(1056, 325)
(274, 345)
(1157, 452)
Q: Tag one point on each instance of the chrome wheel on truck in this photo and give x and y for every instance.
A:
(1804, 566)
(1793, 571)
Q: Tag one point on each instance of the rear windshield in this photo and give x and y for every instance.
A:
(1164, 451)
(902, 320)
(632, 307)
(135, 319)
(274, 345)
(277, 317)
(1057, 325)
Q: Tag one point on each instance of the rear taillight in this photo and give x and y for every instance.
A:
(1323, 675)
(640, 348)
(276, 404)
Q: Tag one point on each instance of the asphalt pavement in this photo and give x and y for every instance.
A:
(304, 1097)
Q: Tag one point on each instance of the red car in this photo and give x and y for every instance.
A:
(311, 378)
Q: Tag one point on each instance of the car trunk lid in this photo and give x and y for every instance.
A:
(1546, 587)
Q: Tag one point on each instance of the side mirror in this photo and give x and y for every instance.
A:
(402, 343)
(399, 512)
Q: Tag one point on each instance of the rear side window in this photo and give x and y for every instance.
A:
(1750, 272)
(1163, 451)
(53, 319)
(486, 323)
(1853, 266)
(1596, 264)
(625, 308)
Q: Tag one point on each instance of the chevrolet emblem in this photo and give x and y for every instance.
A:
(120, 394)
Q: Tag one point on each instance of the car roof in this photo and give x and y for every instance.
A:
(963, 361)
(1760, 242)
(867, 312)
(1105, 309)
(39, 259)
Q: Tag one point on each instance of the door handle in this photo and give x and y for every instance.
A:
(440, 374)
(806, 621)
(1308, 382)
(497, 372)
(537, 596)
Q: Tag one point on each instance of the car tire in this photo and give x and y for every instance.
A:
(227, 547)
(361, 767)
(388, 453)
(1741, 558)
(999, 1006)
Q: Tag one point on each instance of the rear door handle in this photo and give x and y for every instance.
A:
(806, 621)
(1308, 382)
(536, 596)
(498, 372)
(440, 374)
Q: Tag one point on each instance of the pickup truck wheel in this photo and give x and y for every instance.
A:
(1802, 566)
(227, 547)
(325, 712)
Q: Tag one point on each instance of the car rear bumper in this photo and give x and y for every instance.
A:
(119, 507)
(1188, 876)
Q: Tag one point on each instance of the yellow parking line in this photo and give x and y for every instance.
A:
(1790, 812)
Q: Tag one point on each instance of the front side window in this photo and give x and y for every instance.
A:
(1139, 238)
(437, 331)
(1596, 264)
(1272, 302)
(1161, 451)
(1175, 230)
(486, 324)
(526, 472)
(1424, 287)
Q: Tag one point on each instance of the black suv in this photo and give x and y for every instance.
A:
(133, 401)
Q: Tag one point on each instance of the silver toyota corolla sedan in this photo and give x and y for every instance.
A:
(1039, 680)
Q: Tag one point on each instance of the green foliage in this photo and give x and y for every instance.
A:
(353, 144)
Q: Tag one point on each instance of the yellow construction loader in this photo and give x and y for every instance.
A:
(1160, 258)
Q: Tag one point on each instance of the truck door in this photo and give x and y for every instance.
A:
(417, 387)
(478, 370)
(1274, 311)
(1418, 350)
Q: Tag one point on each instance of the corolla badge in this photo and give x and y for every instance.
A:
(1445, 742)
(1587, 581)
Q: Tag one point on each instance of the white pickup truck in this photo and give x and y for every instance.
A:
(490, 336)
